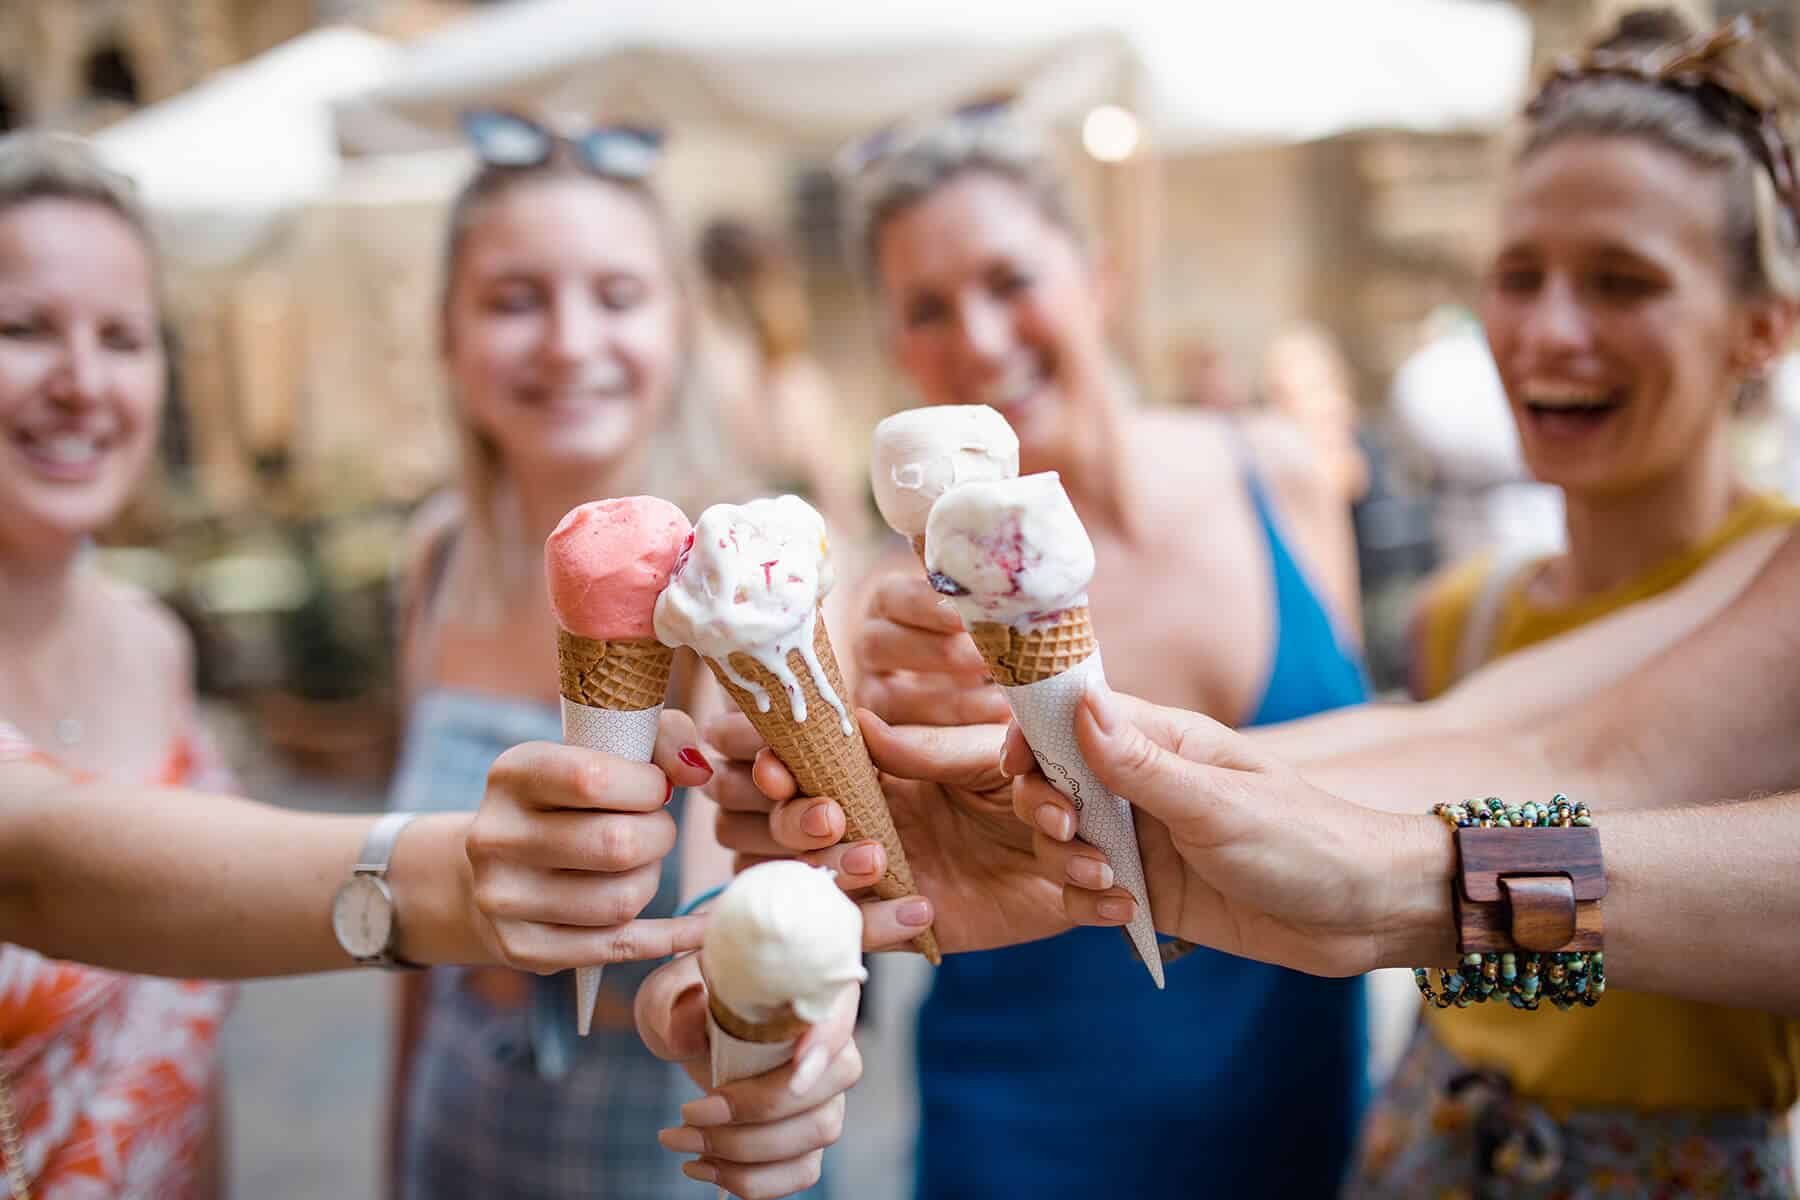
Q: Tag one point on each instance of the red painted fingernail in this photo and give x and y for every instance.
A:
(670, 794)
(693, 758)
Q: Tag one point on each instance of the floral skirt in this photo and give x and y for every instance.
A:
(1440, 1131)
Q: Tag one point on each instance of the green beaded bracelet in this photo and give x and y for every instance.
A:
(1523, 978)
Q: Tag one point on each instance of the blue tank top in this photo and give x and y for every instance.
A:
(1055, 1070)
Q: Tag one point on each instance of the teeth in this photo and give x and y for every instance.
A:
(1564, 395)
(69, 449)
(1017, 385)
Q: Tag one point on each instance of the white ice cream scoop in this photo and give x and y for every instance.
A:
(783, 934)
(922, 453)
(1011, 551)
(750, 582)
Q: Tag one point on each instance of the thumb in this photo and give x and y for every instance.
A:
(1176, 791)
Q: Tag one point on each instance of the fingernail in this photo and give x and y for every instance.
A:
(706, 1111)
(864, 860)
(1116, 909)
(807, 1073)
(1054, 821)
(683, 1140)
(692, 757)
(703, 1171)
(817, 820)
(1090, 873)
(915, 913)
(1102, 705)
(669, 793)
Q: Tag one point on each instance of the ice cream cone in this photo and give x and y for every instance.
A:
(824, 759)
(1016, 657)
(621, 675)
(613, 692)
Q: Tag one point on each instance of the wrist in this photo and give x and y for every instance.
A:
(1417, 923)
(433, 888)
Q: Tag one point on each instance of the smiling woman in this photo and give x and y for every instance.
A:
(1646, 271)
(567, 343)
(92, 671)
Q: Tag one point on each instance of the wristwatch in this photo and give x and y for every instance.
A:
(362, 912)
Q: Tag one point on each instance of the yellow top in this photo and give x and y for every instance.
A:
(1630, 1051)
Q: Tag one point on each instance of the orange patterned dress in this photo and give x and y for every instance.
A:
(111, 1075)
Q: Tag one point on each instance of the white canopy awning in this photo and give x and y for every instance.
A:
(818, 72)
(218, 164)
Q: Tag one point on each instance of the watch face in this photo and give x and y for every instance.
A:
(362, 916)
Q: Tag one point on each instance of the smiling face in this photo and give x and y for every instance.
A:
(986, 300)
(1612, 315)
(81, 371)
(563, 330)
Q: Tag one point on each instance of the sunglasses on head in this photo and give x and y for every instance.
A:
(864, 152)
(504, 139)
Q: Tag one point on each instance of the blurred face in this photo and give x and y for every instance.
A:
(564, 330)
(81, 371)
(987, 301)
(1611, 313)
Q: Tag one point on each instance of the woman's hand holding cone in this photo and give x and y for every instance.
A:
(763, 1136)
(917, 665)
(1240, 852)
(567, 849)
(951, 806)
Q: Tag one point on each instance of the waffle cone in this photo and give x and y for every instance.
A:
(783, 1026)
(1017, 657)
(825, 761)
(625, 674)
(918, 545)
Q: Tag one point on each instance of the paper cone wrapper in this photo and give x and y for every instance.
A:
(742, 1048)
(612, 699)
(1043, 673)
(825, 760)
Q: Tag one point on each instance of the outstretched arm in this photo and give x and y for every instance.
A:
(1246, 855)
(550, 873)
(1523, 686)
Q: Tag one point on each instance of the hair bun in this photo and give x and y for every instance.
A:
(1645, 28)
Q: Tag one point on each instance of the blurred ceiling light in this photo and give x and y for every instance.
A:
(1110, 133)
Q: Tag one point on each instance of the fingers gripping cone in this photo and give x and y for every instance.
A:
(605, 564)
(781, 946)
(1014, 558)
(612, 700)
(1043, 673)
(824, 758)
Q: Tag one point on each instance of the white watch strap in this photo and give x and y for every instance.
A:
(379, 848)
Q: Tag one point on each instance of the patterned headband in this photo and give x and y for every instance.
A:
(1708, 69)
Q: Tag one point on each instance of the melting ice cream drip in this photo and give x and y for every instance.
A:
(750, 583)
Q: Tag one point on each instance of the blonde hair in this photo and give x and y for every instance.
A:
(686, 463)
(937, 154)
(35, 166)
(1761, 235)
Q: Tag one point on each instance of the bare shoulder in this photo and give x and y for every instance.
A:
(1175, 442)
(155, 634)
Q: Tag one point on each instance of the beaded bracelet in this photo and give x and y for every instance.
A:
(1524, 978)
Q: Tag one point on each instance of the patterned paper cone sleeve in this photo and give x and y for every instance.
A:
(826, 761)
(612, 697)
(1043, 673)
(742, 1048)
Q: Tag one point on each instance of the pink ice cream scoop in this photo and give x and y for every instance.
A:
(609, 560)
